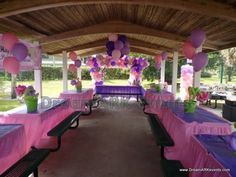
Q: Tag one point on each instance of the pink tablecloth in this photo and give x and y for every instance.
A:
(181, 131)
(200, 159)
(155, 100)
(37, 125)
(78, 100)
(12, 144)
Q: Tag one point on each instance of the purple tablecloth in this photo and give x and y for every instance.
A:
(12, 144)
(200, 115)
(217, 146)
(119, 90)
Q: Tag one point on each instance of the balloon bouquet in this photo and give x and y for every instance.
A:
(17, 52)
(159, 58)
(199, 60)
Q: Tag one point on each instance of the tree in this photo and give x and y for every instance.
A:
(229, 56)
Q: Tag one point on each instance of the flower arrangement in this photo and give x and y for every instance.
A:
(20, 90)
(190, 104)
(31, 99)
(78, 84)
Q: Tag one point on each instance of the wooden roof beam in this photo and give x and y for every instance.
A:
(102, 42)
(209, 7)
(112, 27)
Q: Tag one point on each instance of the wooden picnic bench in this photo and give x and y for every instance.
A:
(28, 164)
(64, 125)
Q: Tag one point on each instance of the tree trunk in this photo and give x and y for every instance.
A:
(13, 86)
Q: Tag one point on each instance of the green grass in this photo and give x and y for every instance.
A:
(54, 88)
(6, 105)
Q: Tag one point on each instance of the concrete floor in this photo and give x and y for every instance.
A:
(115, 141)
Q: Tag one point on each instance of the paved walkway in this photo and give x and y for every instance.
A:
(115, 141)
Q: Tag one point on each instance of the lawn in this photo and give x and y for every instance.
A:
(54, 88)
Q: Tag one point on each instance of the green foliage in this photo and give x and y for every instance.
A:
(205, 74)
(151, 73)
(85, 74)
(193, 91)
(116, 73)
(158, 88)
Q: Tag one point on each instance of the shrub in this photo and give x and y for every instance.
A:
(205, 74)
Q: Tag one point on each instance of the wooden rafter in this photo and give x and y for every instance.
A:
(103, 50)
(19, 26)
(102, 42)
(112, 27)
(206, 7)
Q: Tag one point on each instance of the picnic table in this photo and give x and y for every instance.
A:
(37, 125)
(181, 126)
(12, 143)
(78, 101)
(154, 100)
(211, 152)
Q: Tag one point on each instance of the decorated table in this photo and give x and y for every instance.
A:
(181, 126)
(107, 90)
(155, 100)
(78, 100)
(214, 153)
(12, 144)
(37, 125)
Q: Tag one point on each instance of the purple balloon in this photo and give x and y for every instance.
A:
(122, 38)
(125, 50)
(164, 55)
(113, 63)
(109, 52)
(110, 45)
(197, 37)
(119, 45)
(200, 60)
(78, 63)
(158, 66)
(20, 51)
(99, 83)
(92, 70)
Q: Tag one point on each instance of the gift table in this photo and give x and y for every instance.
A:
(12, 144)
(37, 125)
(212, 152)
(78, 100)
(181, 126)
(155, 100)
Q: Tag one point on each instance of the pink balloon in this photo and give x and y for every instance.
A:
(188, 50)
(20, 51)
(113, 37)
(200, 60)
(9, 40)
(118, 45)
(158, 59)
(116, 54)
(11, 65)
(73, 56)
(197, 37)
(72, 68)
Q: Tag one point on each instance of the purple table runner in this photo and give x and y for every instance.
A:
(126, 90)
(200, 115)
(8, 128)
(218, 147)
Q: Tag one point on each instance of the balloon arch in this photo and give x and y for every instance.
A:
(99, 63)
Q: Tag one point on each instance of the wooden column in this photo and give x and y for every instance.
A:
(174, 72)
(38, 81)
(64, 70)
(197, 75)
(163, 65)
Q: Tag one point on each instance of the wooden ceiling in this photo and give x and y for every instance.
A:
(151, 26)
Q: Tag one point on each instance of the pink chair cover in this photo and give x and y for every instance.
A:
(12, 146)
(155, 100)
(78, 100)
